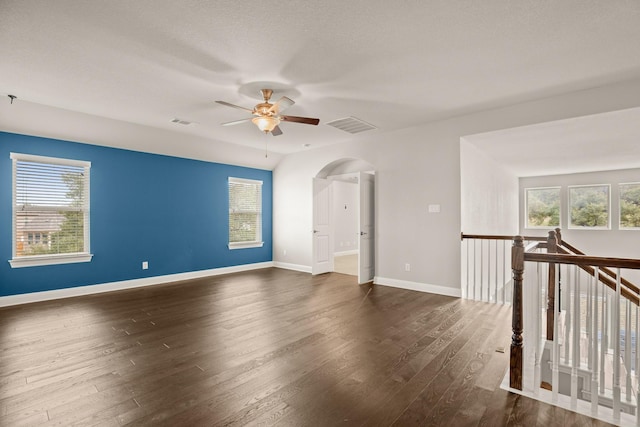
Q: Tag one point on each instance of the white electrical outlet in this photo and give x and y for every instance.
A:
(284, 252)
(407, 267)
(145, 265)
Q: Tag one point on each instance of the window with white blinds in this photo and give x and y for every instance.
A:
(245, 213)
(50, 210)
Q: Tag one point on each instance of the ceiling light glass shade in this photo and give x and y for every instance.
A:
(266, 123)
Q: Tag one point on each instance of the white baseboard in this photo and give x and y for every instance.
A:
(294, 267)
(125, 284)
(343, 253)
(421, 287)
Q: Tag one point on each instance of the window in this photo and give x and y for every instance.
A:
(589, 206)
(245, 213)
(50, 211)
(630, 206)
(543, 207)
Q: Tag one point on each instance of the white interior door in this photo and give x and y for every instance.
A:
(366, 219)
(322, 235)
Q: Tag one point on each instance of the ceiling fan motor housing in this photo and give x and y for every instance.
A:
(264, 109)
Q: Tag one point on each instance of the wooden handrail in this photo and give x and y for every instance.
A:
(499, 237)
(560, 248)
(628, 289)
(587, 263)
(605, 270)
(596, 261)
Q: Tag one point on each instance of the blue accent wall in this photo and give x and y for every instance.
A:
(169, 211)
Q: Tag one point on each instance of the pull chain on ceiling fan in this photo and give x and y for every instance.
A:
(267, 115)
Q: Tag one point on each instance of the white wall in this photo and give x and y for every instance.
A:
(345, 216)
(416, 167)
(489, 194)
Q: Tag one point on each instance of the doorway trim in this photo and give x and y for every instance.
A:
(340, 167)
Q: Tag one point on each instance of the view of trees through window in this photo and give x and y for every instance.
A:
(543, 207)
(245, 211)
(50, 209)
(630, 205)
(589, 206)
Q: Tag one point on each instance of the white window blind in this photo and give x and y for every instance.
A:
(50, 210)
(245, 213)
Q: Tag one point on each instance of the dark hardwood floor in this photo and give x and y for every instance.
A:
(267, 347)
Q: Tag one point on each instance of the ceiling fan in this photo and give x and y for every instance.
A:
(267, 115)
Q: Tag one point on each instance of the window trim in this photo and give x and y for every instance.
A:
(597, 228)
(49, 259)
(245, 245)
(526, 209)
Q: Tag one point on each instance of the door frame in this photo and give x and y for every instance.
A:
(341, 168)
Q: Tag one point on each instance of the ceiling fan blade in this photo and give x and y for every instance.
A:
(281, 104)
(234, 106)
(303, 120)
(276, 131)
(237, 122)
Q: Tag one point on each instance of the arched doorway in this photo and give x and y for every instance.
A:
(361, 174)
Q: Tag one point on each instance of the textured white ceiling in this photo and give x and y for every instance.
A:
(392, 64)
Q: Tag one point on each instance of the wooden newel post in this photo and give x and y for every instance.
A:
(552, 244)
(517, 266)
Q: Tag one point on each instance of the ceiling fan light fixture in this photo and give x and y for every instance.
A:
(267, 116)
(266, 123)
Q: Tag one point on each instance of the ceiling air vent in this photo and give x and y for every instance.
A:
(351, 125)
(181, 122)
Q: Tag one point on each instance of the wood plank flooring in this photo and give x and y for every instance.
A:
(266, 347)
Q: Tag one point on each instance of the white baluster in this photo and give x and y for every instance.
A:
(575, 361)
(578, 316)
(481, 269)
(604, 345)
(495, 297)
(616, 351)
(468, 244)
(637, 372)
(588, 328)
(566, 300)
(475, 265)
(594, 347)
(545, 298)
(556, 351)
(537, 328)
(488, 268)
(627, 350)
(504, 274)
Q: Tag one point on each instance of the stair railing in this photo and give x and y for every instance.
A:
(486, 265)
(589, 318)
